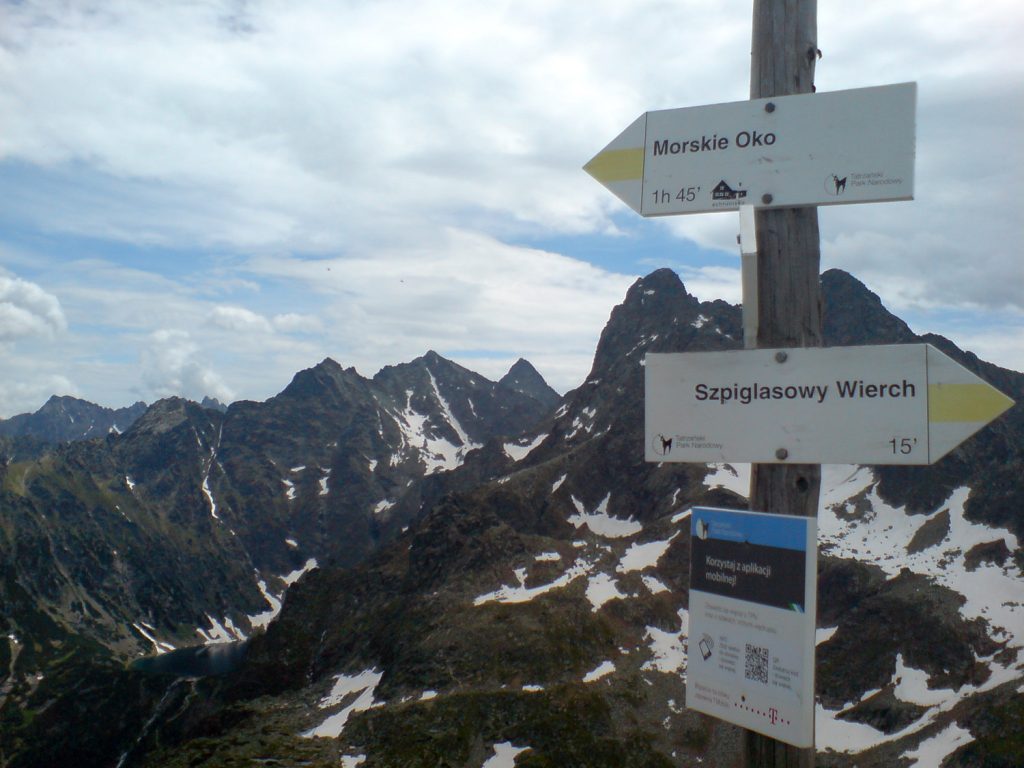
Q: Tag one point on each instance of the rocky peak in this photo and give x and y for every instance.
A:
(64, 418)
(430, 363)
(455, 399)
(854, 315)
(431, 359)
(325, 377)
(164, 415)
(656, 308)
(61, 404)
(660, 280)
(522, 377)
(213, 404)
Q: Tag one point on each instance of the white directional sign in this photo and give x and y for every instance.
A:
(853, 146)
(899, 404)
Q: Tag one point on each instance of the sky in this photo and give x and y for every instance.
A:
(203, 198)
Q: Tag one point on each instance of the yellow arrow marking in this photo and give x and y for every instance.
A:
(617, 165)
(965, 402)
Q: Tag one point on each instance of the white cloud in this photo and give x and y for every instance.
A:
(246, 139)
(170, 367)
(464, 293)
(710, 283)
(292, 322)
(239, 319)
(27, 311)
(308, 132)
(1006, 346)
(27, 391)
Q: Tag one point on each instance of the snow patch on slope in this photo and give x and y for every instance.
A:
(209, 496)
(732, 477)
(831, 732)
(654, 586)
(854, 522)
(437, 454)
(602, 588)
(261, 620)
(881, 536)
(603, 669)
(504, 755)
(524, 594)
(365, 684)
(158, 645)
(933, 750)
(584, 422)
(518, 452)
(640, 557)
(291, 578)
(603, 524)
(220, 633)
(668, 649)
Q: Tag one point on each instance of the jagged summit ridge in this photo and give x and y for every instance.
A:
(327, 376)
(659, 315)
(63, 418)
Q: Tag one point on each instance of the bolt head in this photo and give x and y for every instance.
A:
(781, 454)
(781, 356)
(767, 199)
(769, 107)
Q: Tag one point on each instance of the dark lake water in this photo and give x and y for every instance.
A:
(197, 661)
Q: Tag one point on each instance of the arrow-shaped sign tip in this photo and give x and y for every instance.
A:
(611, 165)
(974, 402)
(620, 165)
(959, 403)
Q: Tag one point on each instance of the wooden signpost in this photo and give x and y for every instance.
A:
(788, 288)
(775, 159)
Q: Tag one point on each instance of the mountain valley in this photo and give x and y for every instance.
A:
(429, 568)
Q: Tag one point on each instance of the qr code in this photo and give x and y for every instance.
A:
(757, 664)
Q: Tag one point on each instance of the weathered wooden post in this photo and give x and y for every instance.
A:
(783, 54)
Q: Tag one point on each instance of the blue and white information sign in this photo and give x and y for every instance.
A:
(753, 600)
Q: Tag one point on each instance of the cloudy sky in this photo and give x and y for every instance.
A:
(201, 198)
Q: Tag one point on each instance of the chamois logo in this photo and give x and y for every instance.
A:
(834, 185)
(662, 445)
(703, 530)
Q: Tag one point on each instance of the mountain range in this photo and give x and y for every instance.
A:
(430, 568)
